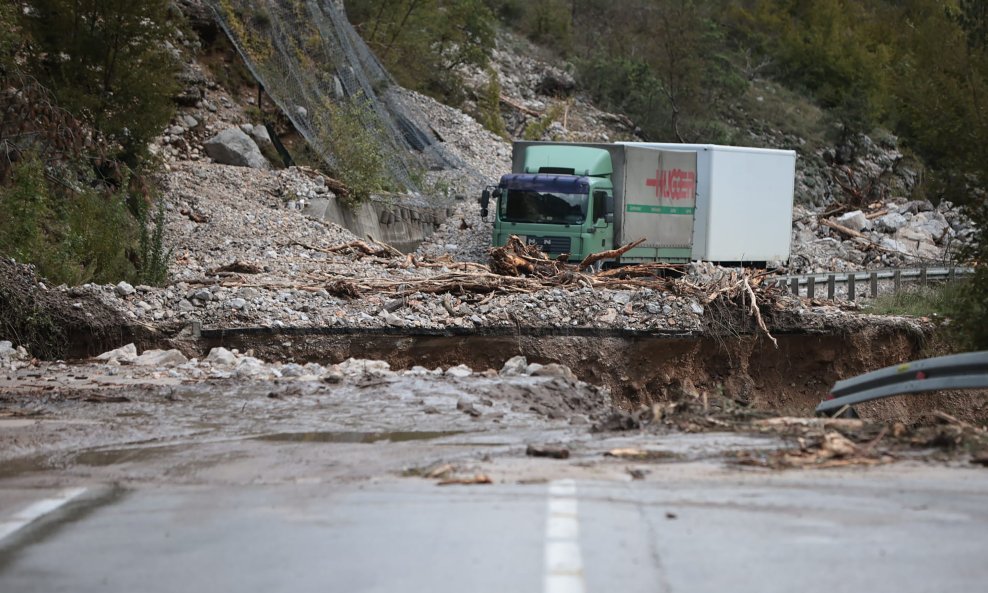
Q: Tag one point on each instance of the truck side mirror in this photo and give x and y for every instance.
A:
(485, 202)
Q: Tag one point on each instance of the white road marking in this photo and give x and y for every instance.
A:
(563, 561)
(37, 510)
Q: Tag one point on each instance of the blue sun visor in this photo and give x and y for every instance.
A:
(562, 184)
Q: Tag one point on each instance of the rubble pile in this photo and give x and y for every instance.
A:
(898, 233)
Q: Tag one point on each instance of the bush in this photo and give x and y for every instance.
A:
(351, 132)
(72, 237)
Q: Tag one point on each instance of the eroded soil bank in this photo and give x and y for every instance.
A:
(643, 369)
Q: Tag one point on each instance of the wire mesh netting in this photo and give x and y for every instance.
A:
(315, 67)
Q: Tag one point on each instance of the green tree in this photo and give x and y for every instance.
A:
(664, 63)
(109, 62)
(423, 43)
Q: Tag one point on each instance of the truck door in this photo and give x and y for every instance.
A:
(660, 201)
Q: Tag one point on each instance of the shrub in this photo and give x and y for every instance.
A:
(71, 236)
(352, 134)
(489, 106)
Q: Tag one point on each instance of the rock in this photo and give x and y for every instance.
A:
(514, 366)
(332, 376)
(237, 304)
(220, 356)
(233, 147)
(621, 297)
(7, 349)
(609, 316)
(123, 289)
(261, 136)
(126, 354)
(357, 367)
(468, 408)
(533, 368)
(890, 223)
(249, 367)
(555, 370)
(855, 221)
(553, 452)
(460, 371)
(556, 84)
(292, 370)
(160, 358)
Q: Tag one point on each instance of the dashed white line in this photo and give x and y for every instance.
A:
(35, 511)
(563, 561)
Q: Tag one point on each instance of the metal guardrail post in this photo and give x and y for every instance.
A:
(794, 286)
(850, 287)
(922, 276)
(811, 287)
(831, 286)
(874, 285)
(957, 371)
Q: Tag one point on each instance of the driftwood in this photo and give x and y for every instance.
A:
(236, 267)
(382, 250)
(610, 254)
(519, 107)
(335, 185)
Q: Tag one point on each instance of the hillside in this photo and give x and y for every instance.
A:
(237, 247)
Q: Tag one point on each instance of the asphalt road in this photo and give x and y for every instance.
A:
(692, 527)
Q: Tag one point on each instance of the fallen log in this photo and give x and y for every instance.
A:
(519, 107)
(610, 254)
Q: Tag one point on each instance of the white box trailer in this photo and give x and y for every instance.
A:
(744, 201)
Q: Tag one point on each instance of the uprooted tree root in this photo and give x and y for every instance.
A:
(45, 321)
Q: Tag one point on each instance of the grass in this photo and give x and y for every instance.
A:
(937, 300)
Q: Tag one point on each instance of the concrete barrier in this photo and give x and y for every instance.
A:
(402, 226)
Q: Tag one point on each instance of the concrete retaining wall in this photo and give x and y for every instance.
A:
(401, 226)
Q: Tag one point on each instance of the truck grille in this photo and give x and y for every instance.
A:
(550, 244)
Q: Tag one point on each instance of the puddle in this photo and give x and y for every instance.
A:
(21, 465)
(105, 457)
(353, 437)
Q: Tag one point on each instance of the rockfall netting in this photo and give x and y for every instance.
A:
(320, 73)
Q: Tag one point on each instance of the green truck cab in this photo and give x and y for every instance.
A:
(562, 202)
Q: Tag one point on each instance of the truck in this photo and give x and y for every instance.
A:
(730, 205)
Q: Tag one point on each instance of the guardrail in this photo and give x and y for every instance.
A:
(957, 371)
(869, 280)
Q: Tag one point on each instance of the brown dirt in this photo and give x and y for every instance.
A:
(642, 370)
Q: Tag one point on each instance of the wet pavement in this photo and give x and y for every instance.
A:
(308, 485)
(687, 527)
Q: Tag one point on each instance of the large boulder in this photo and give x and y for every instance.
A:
(233, 147)
(856, 221)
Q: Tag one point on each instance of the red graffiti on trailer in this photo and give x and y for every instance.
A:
(674, 184)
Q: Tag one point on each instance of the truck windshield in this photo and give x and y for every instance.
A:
(543, 207)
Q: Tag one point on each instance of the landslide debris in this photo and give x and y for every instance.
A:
(49, 322)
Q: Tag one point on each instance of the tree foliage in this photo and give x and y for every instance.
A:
(84, 86)
(423, 43)
(109, 63)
